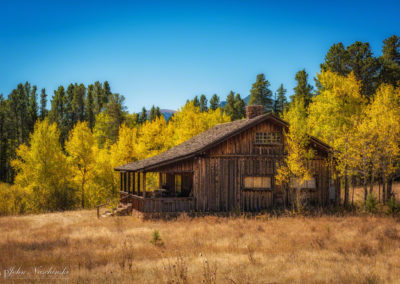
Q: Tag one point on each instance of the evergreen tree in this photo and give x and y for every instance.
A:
(196, 101)
(18, 107)
(281, 102)
(32, 109)
(364, 65)
(158, 112)
(303, 90)
(115, 109)
(390, 61)
(203, 103)
(43, 104)
(107, 92)
(260, 94)
(69, 119)
(143, 116)
(230, 105)
(357, 58)
(89, 108)
(4, 145)
(214, 102)
(239, 108)
(78, 102)
(153, 114)
(57, 113)
(99, 97)
(336, 60)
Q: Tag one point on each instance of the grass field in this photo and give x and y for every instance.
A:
(353, 249)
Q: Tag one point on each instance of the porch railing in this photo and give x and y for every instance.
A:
(162, 204)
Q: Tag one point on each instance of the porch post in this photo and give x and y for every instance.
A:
(144, 183)
(121, 181)
(129, 182)
(125, 181)
(138, 183)
(133, 182)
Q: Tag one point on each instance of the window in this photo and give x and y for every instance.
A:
(296, 183)
(178, 183)
(265, 138)
(163, 178)
(257, 182)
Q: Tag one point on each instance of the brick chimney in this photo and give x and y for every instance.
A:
(253, 111)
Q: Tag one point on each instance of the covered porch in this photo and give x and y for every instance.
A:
(172, 192)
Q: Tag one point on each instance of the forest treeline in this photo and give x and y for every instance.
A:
(63, 157)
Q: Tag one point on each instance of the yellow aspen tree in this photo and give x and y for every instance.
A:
(190, 121)
(43, 171)
(295, 165)
(332, 116)
(384, 117)
(80, 148)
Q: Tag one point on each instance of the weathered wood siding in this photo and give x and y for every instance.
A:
(219, 173)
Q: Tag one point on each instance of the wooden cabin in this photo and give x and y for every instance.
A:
(231, 166)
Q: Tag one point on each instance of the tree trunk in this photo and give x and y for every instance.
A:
(379, 195)
(83, 191)
(365, 188)
(371, 186)
(389, 188)
(384, 191)
(346, 189)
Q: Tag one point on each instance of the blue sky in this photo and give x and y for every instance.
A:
(163, 53)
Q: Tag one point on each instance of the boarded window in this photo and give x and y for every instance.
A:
(178, 183)
(265, 138)
(257, 182)
(296, 183)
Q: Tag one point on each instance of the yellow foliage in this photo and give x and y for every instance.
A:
(81, 148)
(189, 122)
(43, 171)
(295, 164)
(334, 112)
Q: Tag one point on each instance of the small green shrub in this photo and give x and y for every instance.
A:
(156, 239)
(393, 206)
(371, 204)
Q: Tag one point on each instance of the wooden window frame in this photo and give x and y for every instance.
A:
(308, 188)
(271, 183)
(268, 138)
(175, 183)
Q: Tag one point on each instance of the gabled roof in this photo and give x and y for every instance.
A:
(202, 142)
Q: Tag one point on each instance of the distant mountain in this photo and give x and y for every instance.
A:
(246, 101)
(167, 113)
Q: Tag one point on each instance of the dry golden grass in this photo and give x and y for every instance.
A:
(364, 249)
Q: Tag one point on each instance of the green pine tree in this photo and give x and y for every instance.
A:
(32, 109)
(196, 101)
(281, 102)
(239, 108)
(214, 102)
(230, 104)
(43, 104)
(302, 90)
(143, 116)
(89, 108)
(390, 61)
(203, 103)
(260, 94)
